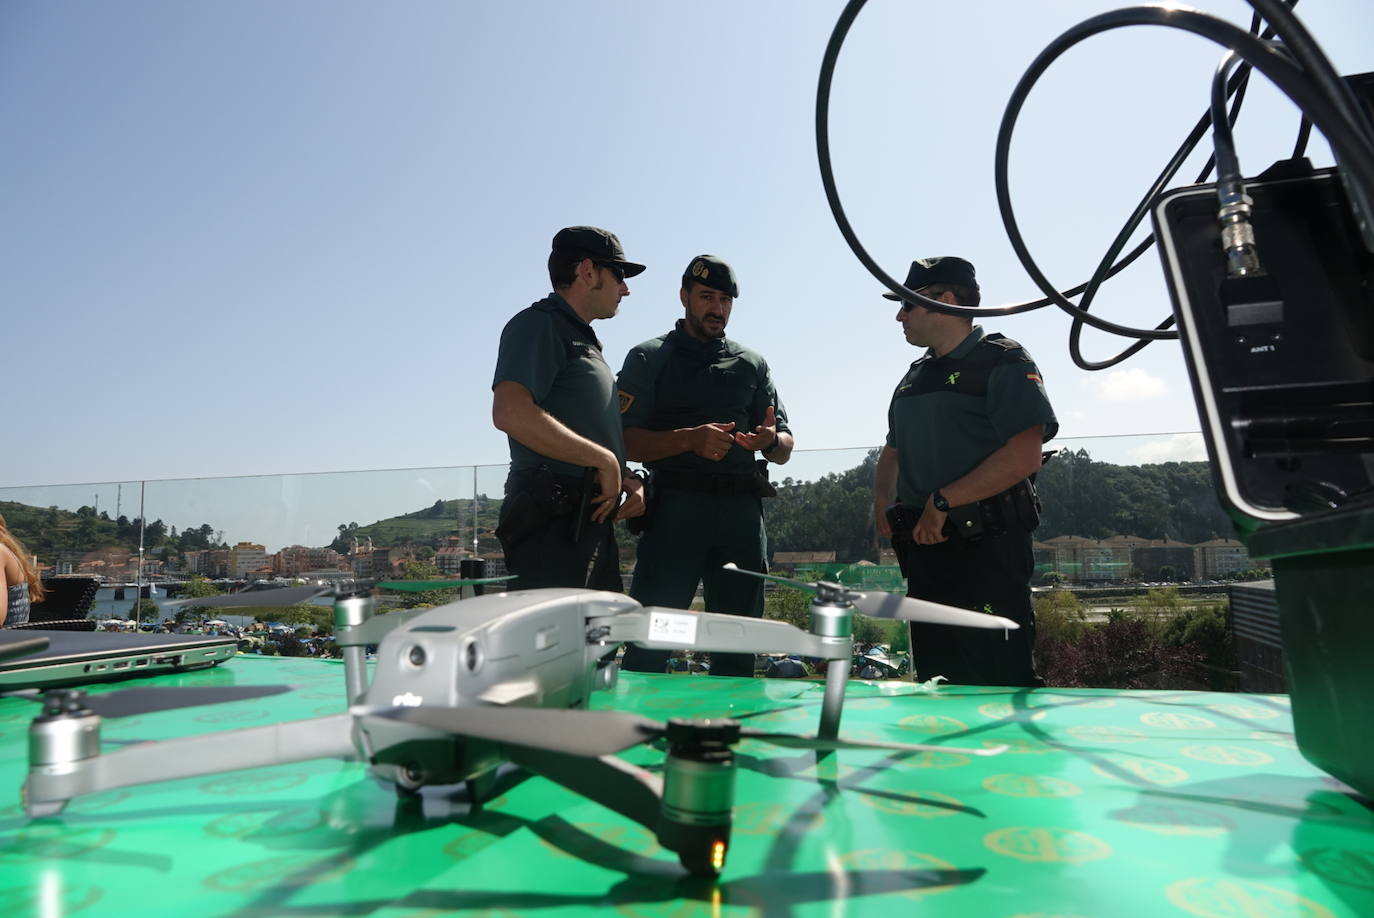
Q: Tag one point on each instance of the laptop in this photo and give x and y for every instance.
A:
(81, 657)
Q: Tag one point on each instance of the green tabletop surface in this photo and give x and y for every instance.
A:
(1106, 804)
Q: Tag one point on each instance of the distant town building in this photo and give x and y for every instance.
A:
(298, 559)
(449, 560)
(1121, 558)
(1220, 558)
(247, 557)
(1154, 556)
(215, 563)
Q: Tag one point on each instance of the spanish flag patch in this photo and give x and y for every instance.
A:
(626, 400)
(1033, 377)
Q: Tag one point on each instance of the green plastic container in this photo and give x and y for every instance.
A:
(1324, 575)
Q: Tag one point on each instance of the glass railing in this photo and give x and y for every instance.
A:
(1123, 519)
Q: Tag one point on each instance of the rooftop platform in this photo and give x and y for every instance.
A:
(1106, 804)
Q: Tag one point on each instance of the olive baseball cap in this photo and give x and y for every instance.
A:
(712, 272)
(944, 269)
(594, 243)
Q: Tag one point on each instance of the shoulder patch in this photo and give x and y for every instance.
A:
(626, 400)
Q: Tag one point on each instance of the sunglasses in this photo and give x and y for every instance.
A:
(617, 271)
(907, 305)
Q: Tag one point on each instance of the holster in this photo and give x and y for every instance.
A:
(638, 525)
(534, 499)
(901, 520)
(763, 487)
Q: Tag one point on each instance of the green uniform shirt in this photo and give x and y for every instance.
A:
(675, 381)
(549, 350)
(950, 413)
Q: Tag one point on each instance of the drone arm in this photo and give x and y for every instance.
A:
(374, 629)
(672, 629)
(51, 785)
(610, 781)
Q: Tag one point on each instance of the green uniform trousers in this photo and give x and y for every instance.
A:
(991, 574)
(692, 536)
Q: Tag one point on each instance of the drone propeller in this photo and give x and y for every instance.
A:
(288, 596)
(595, 733)
(892, 605)
(22, 648)
(146, 700)
(421, 586)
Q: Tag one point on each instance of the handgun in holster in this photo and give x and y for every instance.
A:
(641, 524)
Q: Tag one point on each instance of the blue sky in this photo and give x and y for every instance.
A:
(247, 238)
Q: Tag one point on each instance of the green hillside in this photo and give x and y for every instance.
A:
(429, 526)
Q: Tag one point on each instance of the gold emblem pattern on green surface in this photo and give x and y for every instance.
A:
(1245, 711)
(1105, 733)
(1000, 710)
(771, 818)
(932, 760)
(1046, 844)
(623, 835)
(868, 704)
(1282, 740)
(1209, 897)
(241, 785)
(1176, 720)
(32, 899)
(888, 859)
(1018, 746)
(50, 840)
(1130, 768)
(922, 804)
(1227, 755)
(495, 827)
(933, 724)
(1340, 865)
(293, 871)
(266, 823)
(1176, 820)
(1015, 785)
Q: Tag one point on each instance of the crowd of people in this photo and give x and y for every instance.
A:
(701, 412)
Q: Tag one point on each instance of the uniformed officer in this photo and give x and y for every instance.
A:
(554, 396)
(965, 428)
(696, 408)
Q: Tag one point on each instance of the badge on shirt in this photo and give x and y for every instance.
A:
(626, 400)
(1035, 378)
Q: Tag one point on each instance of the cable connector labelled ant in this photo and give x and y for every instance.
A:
(1249, 293)
(1237, 232)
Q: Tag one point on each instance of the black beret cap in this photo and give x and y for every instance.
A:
(595, 243)
(945, 269)
(712, 272)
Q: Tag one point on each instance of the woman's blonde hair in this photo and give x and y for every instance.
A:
(8, 540)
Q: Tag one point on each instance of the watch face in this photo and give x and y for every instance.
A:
(940, 503)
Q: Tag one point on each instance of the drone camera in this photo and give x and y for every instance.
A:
(416, 656)
(472, 655)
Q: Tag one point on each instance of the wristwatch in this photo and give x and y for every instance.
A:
(939, 501)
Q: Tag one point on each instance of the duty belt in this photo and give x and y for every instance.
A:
(719, 483)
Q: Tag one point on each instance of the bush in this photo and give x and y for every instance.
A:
(1124, 652)
(1205, 629)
